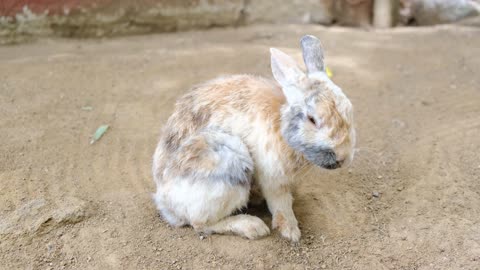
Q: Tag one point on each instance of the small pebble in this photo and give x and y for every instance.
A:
(400, 188)
(379, 177)
(425, 103)
(376, 194)
(202, 237)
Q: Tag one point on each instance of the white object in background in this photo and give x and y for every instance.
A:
(429, 12)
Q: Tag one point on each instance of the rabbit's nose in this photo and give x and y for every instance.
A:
(336, 165)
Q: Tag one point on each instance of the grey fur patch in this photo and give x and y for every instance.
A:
(233, 163)
(317, 154)
(171, 141)
(201, 116)
(198, 116)
(312, 53)
(320, 156)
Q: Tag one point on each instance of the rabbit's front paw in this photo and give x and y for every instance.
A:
(291, 232)
(288, 227)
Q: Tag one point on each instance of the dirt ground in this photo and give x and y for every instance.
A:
(411, 199)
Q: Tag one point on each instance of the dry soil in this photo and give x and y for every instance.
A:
(411, 199)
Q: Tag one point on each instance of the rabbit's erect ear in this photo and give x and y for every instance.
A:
(312, 54)
(287, 74)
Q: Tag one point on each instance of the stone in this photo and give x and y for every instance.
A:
(39, 216)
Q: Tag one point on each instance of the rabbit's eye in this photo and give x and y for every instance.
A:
(312, 120)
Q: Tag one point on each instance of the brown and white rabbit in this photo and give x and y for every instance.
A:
(232, 133)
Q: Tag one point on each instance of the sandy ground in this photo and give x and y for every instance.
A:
(411, 199)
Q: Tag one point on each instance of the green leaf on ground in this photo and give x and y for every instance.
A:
(99, 133)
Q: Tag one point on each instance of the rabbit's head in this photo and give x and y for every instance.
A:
(317, 119)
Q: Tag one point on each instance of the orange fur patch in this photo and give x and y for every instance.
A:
(280, 221)
(327, 110)
(194, 156)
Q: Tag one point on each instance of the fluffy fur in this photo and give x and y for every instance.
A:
(235, 135)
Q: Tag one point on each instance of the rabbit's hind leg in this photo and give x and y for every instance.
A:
(247, 226)
(209, 207)
(212, 174)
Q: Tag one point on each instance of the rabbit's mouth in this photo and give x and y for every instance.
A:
(324, 158)
(336, 165)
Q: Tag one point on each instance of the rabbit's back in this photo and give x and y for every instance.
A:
(232, 103)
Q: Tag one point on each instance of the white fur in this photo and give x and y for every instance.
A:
(199, 202)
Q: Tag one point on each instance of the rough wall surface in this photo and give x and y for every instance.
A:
(21, 19)
(294, 11)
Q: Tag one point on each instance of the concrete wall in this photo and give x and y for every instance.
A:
(20, 19)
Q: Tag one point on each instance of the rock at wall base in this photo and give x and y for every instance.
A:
(39, 216)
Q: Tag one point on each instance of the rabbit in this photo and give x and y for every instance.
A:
(232, 135)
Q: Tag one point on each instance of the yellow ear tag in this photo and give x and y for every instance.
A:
(329, 72)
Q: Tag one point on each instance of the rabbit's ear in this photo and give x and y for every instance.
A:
(312, 54)
(287, 74)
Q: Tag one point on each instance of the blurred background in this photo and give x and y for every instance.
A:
(20, 19)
